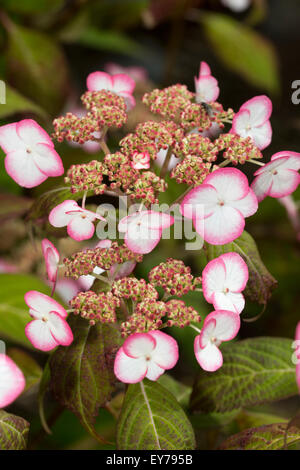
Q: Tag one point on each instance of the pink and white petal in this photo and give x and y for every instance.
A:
(128, 220)
(51, 256)
(213, 278)
(284, 183)
(207, 89)
(292, 161)
(248, 205)
(156, 220)
(230, 183)
(237, 273)
(223, 226)
(80, 229)
(128, 369)
(59, 216)
(39, 334)
(260, 108)
(261, 185)
(125, 269)
(32, 133)
(262, 135)
(43, 304)
(227, 324)
(204, 69)
(97, 81)
(142, 240)
(207, 331)
(60, 329)
(129, 100)
(12, 381)
(210, 358)
(47, 160)
(166, 353)
(240, 123)
(200, 202)
(9, 139)
(67, 289)
(154, 371)
(86, 281)
(104, 244)
(22, 169)
(123, 83)
(232, 301)
(139, 344)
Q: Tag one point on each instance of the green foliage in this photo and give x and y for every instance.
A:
(30, 6)
(14, 314)
(17, 103)
(180, 391)
(82, 377)
(270, 437)
(255, 371)
(151, 419)
(30, 368)
(243, 50)
(261, 282)
(13, 432)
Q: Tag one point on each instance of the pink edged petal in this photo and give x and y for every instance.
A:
(230, 183)
(104, 244)
(237, 273)
(125, 269)
(262, 135)
(43, 304)
(204, 69)
(128, 369)
(31, 133)
(207, 89)
(128, 220)
(213, 278)
(12, 381)
(139, 344)
(9, 139)
(166, 353)
(47, 160)
(200, 202)
(22, 169)
(261, 185)
(232, 301)
(292, 161)
(210, 358)
(67, 289)
(129, 100)
(60, 329)
(240, 123)
(260, 108)
(59, 216)
(154, 371)
(80, 229)
(51, 256)
(86, 281)
(207, 331)
(284, 183)
(223, 226)
(122, 83)
(97, 81)
(227, 324)
(142, 240)
(156, 220)
(248, 205)
(39, 334)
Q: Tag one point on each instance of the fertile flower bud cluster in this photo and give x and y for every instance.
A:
(106, 107)
(74, 128)
(192, 170)
(84, 262)
(180, 314)
(86, 177)
(147, 317)
(168, 102)
(237, 149)
(196, 144)
(94, 307)
(135, 289)
(195, 115)
(165, 133)
(174, 277)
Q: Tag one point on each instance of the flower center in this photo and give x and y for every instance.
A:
(44, 319)
(275, 172)
(28, 150)
(213, 339)
(221, 203)
(226, 290)
(148, 358)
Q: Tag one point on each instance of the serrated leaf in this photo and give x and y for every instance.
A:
(180, 391)
(243, 50)
(270, 437)
(30, 368)
(255, 371)
(14, 313)
(36, 66)
(152, 419)
(261, 283)
(13, 432)
(82, 377)
(17, 103)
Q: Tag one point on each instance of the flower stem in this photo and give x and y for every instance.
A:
(256, 162)
(225, 163)
(195, 328)
(179, 199)
(164, 168)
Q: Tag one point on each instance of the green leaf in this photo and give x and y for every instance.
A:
(14, 313)
(152, 419)
(261, 283)
(36, 66)
(255, 371)
(13, 432)
(82, 377)
(30, 368)
(243, 50)
(30, 6)
(180, 391)
(17, 103)
(44, 386)
(270, 437)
